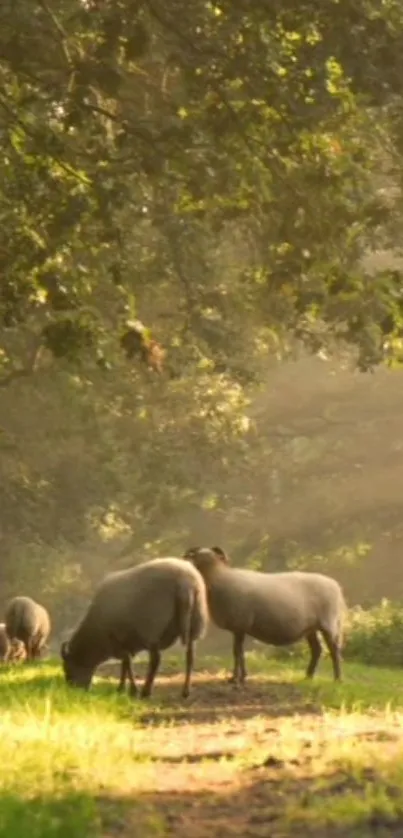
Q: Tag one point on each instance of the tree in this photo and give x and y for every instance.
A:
(187, 192)
(139, 141)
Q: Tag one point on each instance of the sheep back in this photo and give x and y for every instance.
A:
(150, 605)
(275, 608)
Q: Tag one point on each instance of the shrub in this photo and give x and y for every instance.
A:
(375, 636)
(372, 636)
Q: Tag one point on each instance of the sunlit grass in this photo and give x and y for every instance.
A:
(59, 748)
(74, 763)
(363, 687)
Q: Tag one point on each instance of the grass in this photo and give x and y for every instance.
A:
(277, 756)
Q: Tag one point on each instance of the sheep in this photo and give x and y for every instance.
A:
(10, 650)
(4, 643)
(275, 608)
(147, 607)
(17, 653)
(29, 622)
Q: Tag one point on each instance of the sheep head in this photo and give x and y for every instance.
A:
(206, 559)
(17, 651)
(76, 674)
(221, 555)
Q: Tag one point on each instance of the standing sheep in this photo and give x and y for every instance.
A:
(29, 622)
(276, 608)
(147, 607)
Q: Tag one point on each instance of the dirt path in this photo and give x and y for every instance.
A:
(260, 761)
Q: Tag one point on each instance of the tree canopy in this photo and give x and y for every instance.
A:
(188, 192)
(210, 169)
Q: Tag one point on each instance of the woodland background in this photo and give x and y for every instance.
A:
(201, 295)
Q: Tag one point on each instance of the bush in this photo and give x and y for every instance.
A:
(371, 636)
(375, 636)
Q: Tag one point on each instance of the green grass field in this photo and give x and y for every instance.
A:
(277, 756)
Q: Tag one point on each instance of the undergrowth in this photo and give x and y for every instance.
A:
(373, 636)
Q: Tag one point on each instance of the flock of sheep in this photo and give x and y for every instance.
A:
(151, 606)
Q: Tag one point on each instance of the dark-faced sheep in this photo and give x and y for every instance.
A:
(275, 608)
(147, 607)
(29, 622)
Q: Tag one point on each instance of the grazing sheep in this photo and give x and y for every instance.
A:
(10, 650)
(275, 608)
(29, 622)
(147, 607)
(17, 653)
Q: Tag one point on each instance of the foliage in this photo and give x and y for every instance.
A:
(101, 474)
(187, 194)
(140, 142)
(373, 636)
(99, 467)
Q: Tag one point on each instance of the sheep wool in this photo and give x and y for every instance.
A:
(146, 607)
(275, 608)
(29, 622)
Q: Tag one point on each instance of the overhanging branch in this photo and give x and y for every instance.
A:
(27, 369)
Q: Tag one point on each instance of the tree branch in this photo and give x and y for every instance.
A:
(31, 133)
(28, 369)
(59, 29)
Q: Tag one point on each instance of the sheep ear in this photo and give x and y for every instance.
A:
(64, 649)
(221, 554)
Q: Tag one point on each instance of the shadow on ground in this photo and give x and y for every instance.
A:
(49, 816)
(262, 807)
(258, 762)
(255, 810)
(274, 798)
(213, 698)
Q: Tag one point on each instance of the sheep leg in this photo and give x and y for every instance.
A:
(126, 669)
(133, 692)
(316, 651)
(122, 680)
(189, 669)
(239, 674)
(36, 650)
(153, 664)
(335, 653)
(28, 647)
(242, 663)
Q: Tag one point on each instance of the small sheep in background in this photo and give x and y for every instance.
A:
(17, 653)
(29, 622)
(4, 643)
(275, 608)
(147, 607)
(12, 650)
